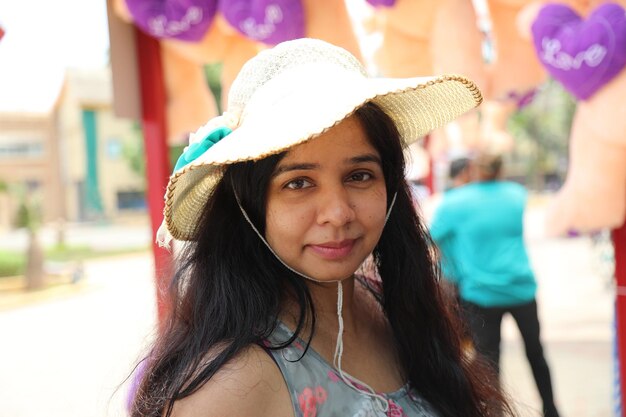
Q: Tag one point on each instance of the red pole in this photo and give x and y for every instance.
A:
(619, 245)
(429, 180)
(153, 96)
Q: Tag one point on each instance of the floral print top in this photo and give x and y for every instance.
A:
(317, 390)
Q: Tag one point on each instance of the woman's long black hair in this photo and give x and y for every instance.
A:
(228, 291)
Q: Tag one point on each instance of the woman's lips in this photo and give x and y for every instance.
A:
(333, 250)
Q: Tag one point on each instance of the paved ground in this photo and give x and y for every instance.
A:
(66, 350)
(576, 313)
(67, 354)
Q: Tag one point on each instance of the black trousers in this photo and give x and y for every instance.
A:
(485, 323)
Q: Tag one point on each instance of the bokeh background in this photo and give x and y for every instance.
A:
(83, 164)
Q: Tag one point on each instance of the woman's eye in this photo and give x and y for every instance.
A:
(298, 184)
(360, 176)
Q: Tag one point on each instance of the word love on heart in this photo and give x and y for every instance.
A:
(161, 26)
(554, 56)
(261, 31)
(267, 21)
(583, 55)
(183, 20)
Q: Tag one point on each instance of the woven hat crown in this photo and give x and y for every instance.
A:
(270, 63)
(292, 93)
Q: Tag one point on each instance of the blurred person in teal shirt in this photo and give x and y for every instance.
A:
(479, 228)
(459, 175)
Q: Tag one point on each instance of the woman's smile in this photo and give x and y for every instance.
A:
(333, 250)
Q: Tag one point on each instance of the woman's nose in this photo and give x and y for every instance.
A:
(335, 207)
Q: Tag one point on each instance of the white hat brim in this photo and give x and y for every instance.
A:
(279, 118)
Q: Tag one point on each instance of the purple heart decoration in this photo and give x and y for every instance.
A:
(185, 20)
(583, 55)
(267, 21)
(382, 3)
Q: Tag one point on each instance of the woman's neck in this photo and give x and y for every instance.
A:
(365, 334)
(325, 300)
(327, 303)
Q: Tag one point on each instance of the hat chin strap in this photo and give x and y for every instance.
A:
(351, 381)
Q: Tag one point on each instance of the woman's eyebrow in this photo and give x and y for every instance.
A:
(370, 157)
(294, 167)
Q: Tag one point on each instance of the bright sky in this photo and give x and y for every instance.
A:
(44, 37)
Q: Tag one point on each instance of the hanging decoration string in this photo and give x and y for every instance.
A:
(485, 26)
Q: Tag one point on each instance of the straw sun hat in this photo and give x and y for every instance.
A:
(289, 94)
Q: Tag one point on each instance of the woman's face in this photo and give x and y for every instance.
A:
(326, 203)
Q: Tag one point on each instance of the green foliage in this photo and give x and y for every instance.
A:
(29, 210)
(213, 74)
(541, 131)
(12, 263)
(133, 152)
(22, 218)
(69, 253)
(175, 151)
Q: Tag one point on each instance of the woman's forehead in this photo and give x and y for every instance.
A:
(341, 142)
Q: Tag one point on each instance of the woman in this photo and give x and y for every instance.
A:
(283, 198)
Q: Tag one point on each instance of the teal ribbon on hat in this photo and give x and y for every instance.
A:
(194, 150)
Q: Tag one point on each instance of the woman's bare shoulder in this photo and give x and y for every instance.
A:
(250, 385)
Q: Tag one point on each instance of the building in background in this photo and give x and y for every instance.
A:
(29, 159)
(76, 158)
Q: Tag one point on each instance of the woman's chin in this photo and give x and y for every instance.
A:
(332, 277)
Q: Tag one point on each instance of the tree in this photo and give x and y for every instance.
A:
(133, 152)
(541, 131)
(213, 75)
(29, 217)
